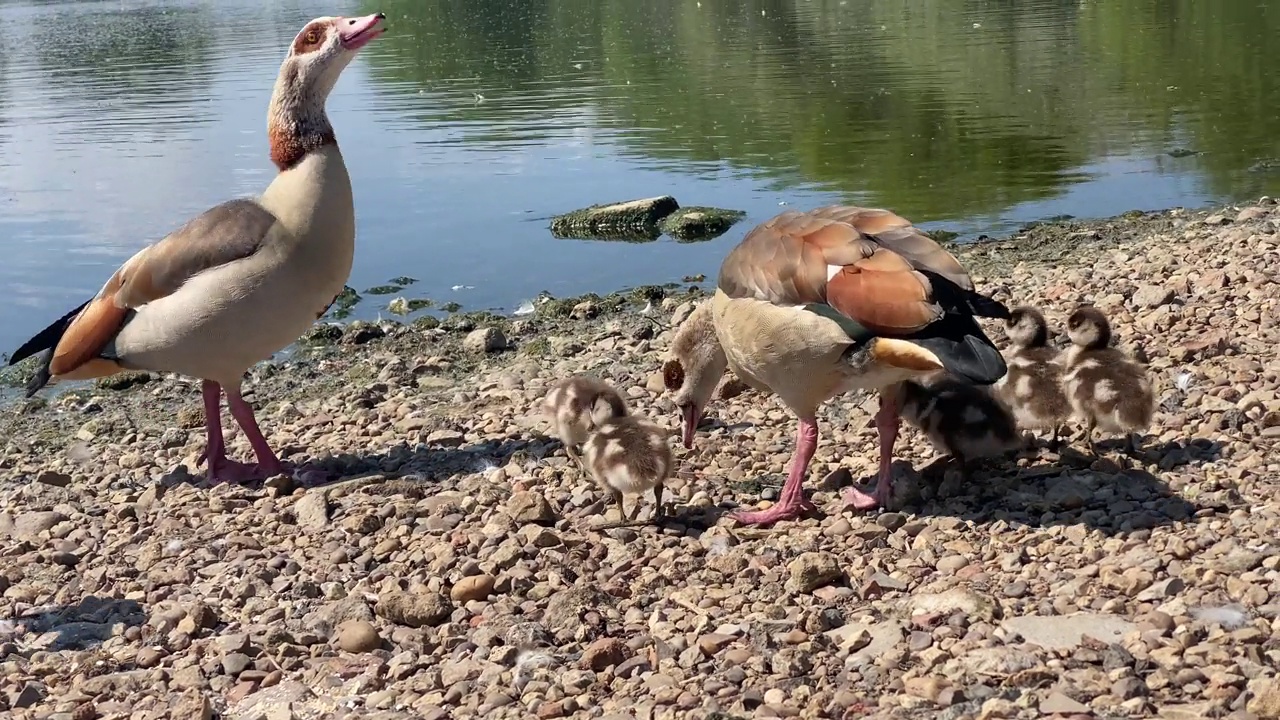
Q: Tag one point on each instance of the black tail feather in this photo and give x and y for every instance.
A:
(963, 348)
(953, 297)
(44, 342)
(46, 338)
(42, 376)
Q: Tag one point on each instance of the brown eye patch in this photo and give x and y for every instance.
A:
(672, 374)
(310, 39)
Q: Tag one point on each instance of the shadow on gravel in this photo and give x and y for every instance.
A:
(80, 626)
(1108, 493)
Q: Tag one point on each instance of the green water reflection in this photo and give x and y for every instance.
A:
(939, 108)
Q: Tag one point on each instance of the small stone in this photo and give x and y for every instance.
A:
(891, 521)
(712, 643)
(812, 570)
(357, 636)
(952, 564)
(56, 479)
(445, 437)
(30, 694)
(474, 587)
(1162, 589)
(485, 340)
(312, 510)
(235, 663)
(148, 657)
(1059, 704)
(1265, 702)
(1153, 296)
(528, 506)
(605, 652)
(414, 610)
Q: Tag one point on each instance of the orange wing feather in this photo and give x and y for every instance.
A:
(92, 329)
(227, 232)
(788, 260)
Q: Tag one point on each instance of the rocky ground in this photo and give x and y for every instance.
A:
(437, 557)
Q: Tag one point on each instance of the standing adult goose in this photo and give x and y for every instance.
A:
(242, 280)
(815, 304)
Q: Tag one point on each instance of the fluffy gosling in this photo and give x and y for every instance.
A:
(1107, 390)
(961, 420)
(629, 456)
(579, 404)
(1032, 387)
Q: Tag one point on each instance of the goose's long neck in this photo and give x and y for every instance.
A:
(297, 123)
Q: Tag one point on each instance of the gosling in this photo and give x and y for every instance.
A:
(1107, 390)
(963, 421)
(579, 404)
(1032, 388)
(629, 456)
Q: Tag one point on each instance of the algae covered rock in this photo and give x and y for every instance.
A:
(634, 220)
(644, 220)
(699, 223)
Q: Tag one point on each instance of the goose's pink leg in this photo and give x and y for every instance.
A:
(887, 428)
(792, 503)
(221, 467)
(268, 464)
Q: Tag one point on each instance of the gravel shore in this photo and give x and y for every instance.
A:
(436, 558)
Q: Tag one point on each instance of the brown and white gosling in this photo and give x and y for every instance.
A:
(1106, 389)
(579, 404)
(1033, 386)
(629, 456)
(962, 420)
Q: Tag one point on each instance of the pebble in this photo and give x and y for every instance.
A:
(357, 636)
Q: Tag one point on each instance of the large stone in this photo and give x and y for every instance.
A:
(813, 570)
(312, 510)
(1265, 702)
(414, 609)
(1068, 631)
(485, 340)
(528, 506)
(29, 526)
(631, 220)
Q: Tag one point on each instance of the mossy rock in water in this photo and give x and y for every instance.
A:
(942, 237)
(694, 223)
(124, 380)
(344, 303)
(466, 322)
(631, 221)
(401, 306)
(427, 322)
(326, 334)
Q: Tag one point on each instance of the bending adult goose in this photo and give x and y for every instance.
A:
(814, 304)
(242, 280)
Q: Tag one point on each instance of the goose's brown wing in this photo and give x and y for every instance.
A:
(864, 263)
(225, 233)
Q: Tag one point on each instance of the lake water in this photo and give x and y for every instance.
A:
(472, 122)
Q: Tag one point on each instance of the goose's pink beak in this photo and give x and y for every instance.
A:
(355, 33)
(689, 417)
